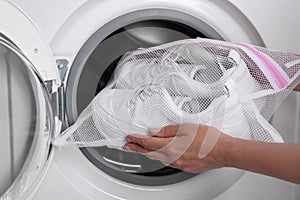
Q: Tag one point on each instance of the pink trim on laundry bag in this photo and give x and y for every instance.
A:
(268, 67)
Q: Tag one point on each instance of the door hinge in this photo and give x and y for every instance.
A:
(62, 65)
(58, 104)
(58, 97)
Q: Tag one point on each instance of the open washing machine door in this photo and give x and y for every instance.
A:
(28, 83)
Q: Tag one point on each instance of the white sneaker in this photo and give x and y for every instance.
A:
(246, 84)
(185, 71)
(182, 77)
(115, 113)
(221, 66)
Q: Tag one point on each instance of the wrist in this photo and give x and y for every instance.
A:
(223, 151)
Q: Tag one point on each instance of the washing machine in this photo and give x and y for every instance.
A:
(57, 55)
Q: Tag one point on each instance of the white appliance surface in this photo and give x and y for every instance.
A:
(66, 27)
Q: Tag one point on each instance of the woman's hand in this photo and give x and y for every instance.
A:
(189, 147)
(197, 148)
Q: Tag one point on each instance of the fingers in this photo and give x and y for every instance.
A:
(163, 149)
(150, 143)
(168, 131)
(176, 130)
(136, 148)
(154, 155)
(183, 146)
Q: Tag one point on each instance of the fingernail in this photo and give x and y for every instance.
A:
(155, 130)
(128, 140)
(127, 148)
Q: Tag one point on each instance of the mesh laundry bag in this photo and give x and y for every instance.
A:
(233, 87)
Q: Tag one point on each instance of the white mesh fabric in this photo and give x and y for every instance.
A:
(233, 87)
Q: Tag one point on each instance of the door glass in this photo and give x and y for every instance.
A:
(24, 122)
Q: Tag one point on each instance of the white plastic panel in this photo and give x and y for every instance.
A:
(55, 12)
(276, 21)
(255, 186)
(70, 167)
(15, 25)
(221, 15)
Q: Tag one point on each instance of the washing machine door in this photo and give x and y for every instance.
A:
(26, 117)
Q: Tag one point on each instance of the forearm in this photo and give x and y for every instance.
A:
(277, 160)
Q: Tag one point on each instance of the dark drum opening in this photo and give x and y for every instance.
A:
(98, 69)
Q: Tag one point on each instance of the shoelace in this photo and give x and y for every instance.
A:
(141, 94)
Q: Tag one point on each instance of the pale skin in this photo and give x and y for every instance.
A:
(279, 160)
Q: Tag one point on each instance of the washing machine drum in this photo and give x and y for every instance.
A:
(94, 75)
